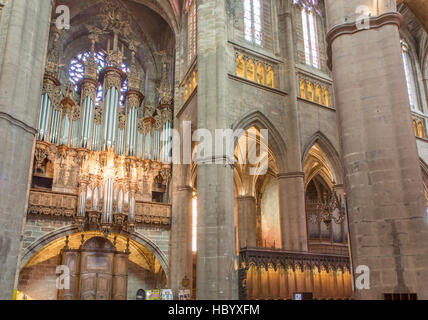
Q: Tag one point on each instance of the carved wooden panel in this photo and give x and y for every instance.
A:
(96, 275)
(71, 259)
(120, 278)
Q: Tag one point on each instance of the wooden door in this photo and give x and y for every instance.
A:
(96, 276)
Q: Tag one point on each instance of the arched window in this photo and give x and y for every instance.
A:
(302, 89)
(326, 97)
(421, 130)
(318, 94)
(260, 73)
(311, 91)
(240, 66)
(310, 38)
(310, 8)
(310, 5)
(410, 76)
(251, 70)
(415, 128)
(253, 21)
(270, 77)
(191, 30)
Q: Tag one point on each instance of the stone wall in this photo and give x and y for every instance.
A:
(39, 281)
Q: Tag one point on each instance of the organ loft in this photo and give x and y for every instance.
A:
(111, 170)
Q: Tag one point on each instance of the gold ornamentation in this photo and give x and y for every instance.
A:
(132, 100)
(112, 79)
(89, 90)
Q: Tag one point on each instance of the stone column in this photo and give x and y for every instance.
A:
(291, 184)
(387, 214)
(247, 222)
(217, 276)
(292, 208)
(181, 265)
(23, 40)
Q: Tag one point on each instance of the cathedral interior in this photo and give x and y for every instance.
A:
(95, 94)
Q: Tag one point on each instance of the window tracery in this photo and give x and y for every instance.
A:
(419, 128)
(255, 69)
(309, 5)
(315, 91)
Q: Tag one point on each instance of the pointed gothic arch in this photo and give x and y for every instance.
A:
(331, 153)
(53, 236)
(276, 142)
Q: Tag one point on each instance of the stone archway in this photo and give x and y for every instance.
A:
(37, 279)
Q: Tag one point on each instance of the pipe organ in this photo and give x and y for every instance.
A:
(114, 137)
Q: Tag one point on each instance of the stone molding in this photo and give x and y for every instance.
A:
(258, 85)
(185, 188)
(245, 198)
(291, 175)
(393, 18)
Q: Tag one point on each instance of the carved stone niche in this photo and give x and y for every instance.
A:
(97, 271)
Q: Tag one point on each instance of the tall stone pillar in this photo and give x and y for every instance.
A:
(23, 43)
(217, 276)
(291, 179)
(181, 265)
(247, 222)
(387, 214)
(293, 218)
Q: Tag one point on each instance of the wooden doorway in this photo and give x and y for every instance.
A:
(97, 271)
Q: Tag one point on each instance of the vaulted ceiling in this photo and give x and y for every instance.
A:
(419, 9)
(153, 25)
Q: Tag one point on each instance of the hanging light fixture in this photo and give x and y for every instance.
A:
(330, 209)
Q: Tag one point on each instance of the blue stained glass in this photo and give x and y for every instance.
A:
(309, 5)
(76, 73)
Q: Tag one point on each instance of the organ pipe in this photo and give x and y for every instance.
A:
(88, 97)
(108, 127)
(92, 125)
(45, 108)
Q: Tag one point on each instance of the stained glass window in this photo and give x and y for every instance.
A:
(310, 39)
(76, 73)
(191, 31)
(410, 78)
(309, 5)
(310, 9)
(253, 21)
